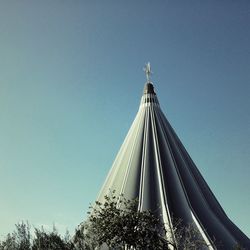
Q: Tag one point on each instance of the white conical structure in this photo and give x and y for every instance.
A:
(153, 166)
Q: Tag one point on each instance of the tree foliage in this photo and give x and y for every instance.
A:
(118, 223)
(50, 240)
(114, 224)
(187, 237)
(21, 239)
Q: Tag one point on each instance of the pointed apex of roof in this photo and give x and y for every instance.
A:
(149, 96)
(149, 88)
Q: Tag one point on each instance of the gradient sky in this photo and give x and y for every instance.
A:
(70, 85)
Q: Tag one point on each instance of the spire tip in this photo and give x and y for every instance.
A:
(148, 71)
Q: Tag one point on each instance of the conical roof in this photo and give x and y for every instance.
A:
(153, 166)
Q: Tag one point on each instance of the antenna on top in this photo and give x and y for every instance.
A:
(148, 71)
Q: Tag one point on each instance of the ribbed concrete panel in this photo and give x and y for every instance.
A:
(154, 166)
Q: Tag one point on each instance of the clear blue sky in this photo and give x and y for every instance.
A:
(70, 84)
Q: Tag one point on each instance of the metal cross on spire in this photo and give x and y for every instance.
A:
(148, 71)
